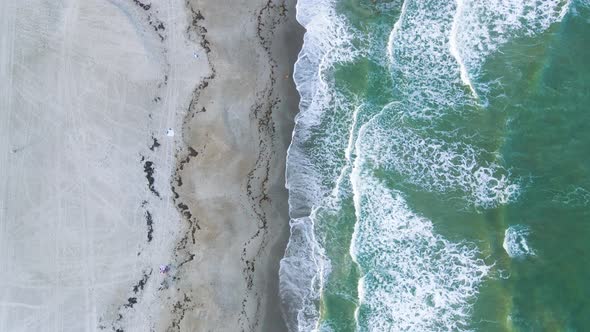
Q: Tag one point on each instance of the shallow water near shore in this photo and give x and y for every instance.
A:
(438, 175)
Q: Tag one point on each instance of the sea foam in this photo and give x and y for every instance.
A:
(315, 159)
(429, 75)
(415, 280)
(573, 196)
(516, 242)
(485, 25)
(302, 271)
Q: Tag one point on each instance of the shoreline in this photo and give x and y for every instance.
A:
(258, 226)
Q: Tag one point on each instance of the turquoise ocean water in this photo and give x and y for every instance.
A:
(439, 173)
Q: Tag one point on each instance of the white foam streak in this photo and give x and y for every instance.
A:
(351, 140)
(394, 31)
(302, 271)
(565, 10)
(347, 152)
(454, 49)
(356, 197)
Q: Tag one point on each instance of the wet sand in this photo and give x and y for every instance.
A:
(136, 134)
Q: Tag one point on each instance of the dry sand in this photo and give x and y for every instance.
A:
(95, 194)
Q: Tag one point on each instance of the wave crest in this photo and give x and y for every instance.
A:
(415, 279)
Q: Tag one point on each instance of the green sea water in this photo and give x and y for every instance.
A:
(439, 173)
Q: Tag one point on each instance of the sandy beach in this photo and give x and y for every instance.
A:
(136, 135)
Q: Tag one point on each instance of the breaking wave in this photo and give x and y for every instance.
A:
(415, 280)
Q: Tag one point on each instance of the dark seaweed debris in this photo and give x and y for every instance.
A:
(143, 5)
(157, 25)
(130, 302)
(199, 29)
(148, 168)
(141, 283)
(150, 226)
(269, 18)
(179, 310)
(155, 144)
